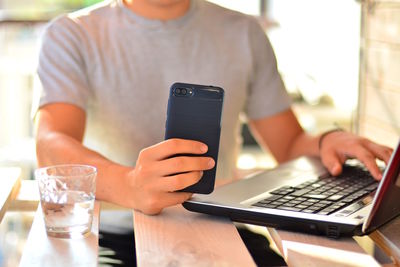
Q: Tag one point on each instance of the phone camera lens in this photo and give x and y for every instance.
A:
(178, 91)
(183, 91)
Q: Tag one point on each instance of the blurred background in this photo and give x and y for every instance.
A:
(339, 59)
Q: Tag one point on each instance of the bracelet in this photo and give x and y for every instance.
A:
(323, 135)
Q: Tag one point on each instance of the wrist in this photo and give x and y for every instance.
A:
(323, 136)
(112, 184)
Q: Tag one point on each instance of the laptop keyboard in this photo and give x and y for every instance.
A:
(324, 195)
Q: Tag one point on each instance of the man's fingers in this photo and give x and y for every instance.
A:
(184, 164)
(368, 159)
(370, 163)
(332, 162)
(179, 181)
(157, 202)
(172, 147)
(167, 196)
(381, 152)
(171, 199)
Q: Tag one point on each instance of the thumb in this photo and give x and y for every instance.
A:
(332, 162)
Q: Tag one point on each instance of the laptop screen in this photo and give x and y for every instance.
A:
(386, 203)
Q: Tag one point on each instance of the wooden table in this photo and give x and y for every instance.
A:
(9, 185)
(388, 239)
(307, 250)
(178, 237)
(43, 251)
(296, 247)
(181, 238)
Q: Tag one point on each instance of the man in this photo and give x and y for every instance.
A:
(102, 61)
(106, 72)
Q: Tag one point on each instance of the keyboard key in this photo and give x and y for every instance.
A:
(336, 197)
(301, 186)
(332, 191)
(314, 193)
(284, 190)
(347, 191)
(300, 192)
(323, 212)
(315, 208)
(319, 196)
(272, 198)
(308, 211)
(288, 208)
(330, 209)
(288, 204)
(278, 192)
(307, 203)
(372, 187)
(321, 205)
(325, 202)
(316, 185)
(277, 202)
(347, 200)
(288, 197)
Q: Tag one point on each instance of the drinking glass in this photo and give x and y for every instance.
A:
(67, 194)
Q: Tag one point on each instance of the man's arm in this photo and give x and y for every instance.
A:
(148, 187)
(285, 138)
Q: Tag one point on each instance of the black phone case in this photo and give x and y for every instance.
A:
(196, 115)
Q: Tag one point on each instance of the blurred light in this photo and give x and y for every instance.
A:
(266, 163)
(318, 58)
(247, 162)
(11, 238)
(307, 121)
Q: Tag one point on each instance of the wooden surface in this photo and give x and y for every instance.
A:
(181, 237)
(9, 186)
(27, 198)
(308, 250)
(178, 237)
(388, 239)
(41, 250)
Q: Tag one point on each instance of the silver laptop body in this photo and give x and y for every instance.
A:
(242, 200)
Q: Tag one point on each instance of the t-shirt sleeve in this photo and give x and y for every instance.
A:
(267, 94)
(61, 67)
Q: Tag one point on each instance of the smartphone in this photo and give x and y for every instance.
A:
(194, 112)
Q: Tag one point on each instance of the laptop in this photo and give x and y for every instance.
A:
(301, 195)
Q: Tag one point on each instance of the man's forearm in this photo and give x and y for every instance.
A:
(304, 144)
(58, 148)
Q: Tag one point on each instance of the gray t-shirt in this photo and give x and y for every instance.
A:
(119, 66)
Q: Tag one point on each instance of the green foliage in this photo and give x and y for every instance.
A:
(70, 4)
(90, 2)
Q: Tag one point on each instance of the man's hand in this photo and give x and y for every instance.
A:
(148, 187)
(284, 137)
(157, 175)
(336, 147)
